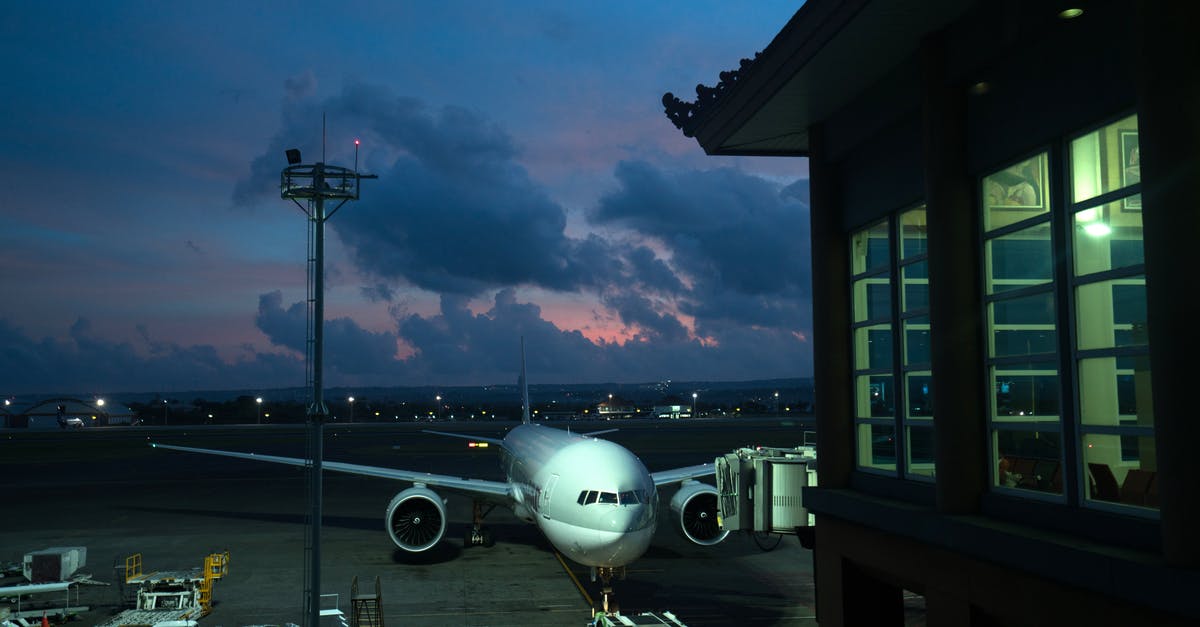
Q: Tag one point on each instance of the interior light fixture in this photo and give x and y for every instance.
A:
(1070, 14)
(980, 88)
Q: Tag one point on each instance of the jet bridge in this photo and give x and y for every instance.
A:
(759, 490)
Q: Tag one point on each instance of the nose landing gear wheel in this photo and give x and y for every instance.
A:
(478, 534)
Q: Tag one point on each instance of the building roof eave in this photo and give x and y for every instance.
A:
(802, 77)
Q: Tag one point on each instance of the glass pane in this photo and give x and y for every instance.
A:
(873, 299)
(1107, 237)
(875, 396)
(1020, 259)
(913, 233)
(1028, 460)
(1115, 391)
(1111, 313)
(916, 341)
(920, 449)
(877, 446)
(1121, 469)
(873, 347)
(1105, 160)
(1015, 193)
(869, 248)
(920, 394)
(915, 279)
(1026, 392)
(1022, 326)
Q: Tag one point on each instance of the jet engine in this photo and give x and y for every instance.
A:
(416, 519)
(694, 512)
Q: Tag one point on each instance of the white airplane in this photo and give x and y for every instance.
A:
(593, 499)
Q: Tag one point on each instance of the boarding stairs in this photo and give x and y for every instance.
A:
(366, 609)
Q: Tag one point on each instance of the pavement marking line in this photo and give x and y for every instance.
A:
(579, 586)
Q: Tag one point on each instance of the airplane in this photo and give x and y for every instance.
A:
(593, 499)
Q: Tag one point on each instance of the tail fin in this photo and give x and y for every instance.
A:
(524, 387)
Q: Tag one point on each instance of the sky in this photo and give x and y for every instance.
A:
(529, 186)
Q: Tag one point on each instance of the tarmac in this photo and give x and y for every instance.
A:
(106, 490)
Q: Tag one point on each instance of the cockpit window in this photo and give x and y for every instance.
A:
(628, 497)
(633, 497)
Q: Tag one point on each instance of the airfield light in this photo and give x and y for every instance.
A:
(99, 402)
(258, 402)
(7, 402)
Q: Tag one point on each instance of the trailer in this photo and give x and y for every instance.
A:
(53, 564)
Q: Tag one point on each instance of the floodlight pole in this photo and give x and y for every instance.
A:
(316, 183)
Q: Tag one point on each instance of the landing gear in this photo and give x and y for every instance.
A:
(606, 574)
(478, 534)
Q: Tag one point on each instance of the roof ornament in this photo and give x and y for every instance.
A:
(685, 115)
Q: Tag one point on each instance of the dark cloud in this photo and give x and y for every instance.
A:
(300, 87)
(706, 269)
(740, 242)
(349, 349)
(452, 210)
(378, 293)
(89, 364)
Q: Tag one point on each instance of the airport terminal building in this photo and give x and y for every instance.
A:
(1006, 321)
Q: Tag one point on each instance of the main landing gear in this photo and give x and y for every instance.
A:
(478, 534)
(606, 574)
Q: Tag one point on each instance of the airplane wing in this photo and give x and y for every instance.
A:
(465, 436)
(682, 474)
(496, 489)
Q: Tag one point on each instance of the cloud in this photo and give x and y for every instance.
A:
(741, 243)
(300, 87)
(378, 293)
(706, 270)
(85, 363)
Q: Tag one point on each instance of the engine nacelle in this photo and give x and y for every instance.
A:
(416, 519)
(694, 512)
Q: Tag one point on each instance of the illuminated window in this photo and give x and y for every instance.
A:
(893, 396)
(1092, 279)
(1024, 410)
(1118, 460)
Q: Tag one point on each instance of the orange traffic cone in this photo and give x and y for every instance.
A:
(45, 621)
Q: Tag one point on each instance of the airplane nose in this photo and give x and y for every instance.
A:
(626, 519)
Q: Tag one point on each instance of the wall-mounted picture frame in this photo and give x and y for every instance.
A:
(1019, 187)
(1131, 168)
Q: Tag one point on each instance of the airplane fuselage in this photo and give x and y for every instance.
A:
(593, 499)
